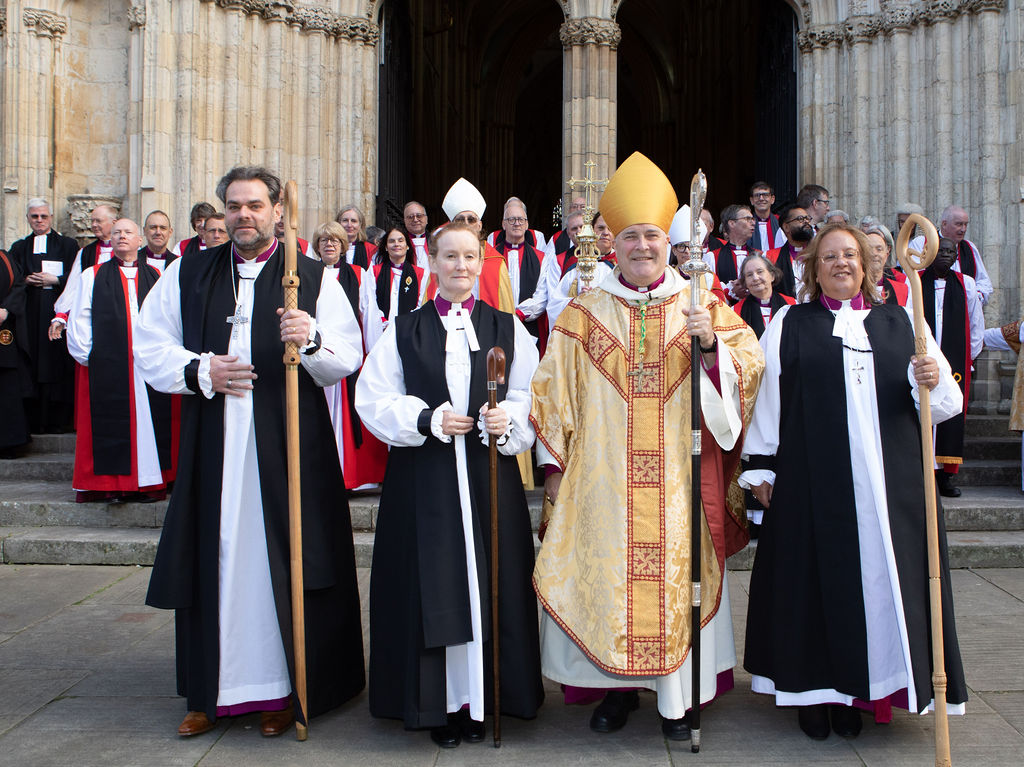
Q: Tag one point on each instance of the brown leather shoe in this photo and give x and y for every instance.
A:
(194, 723)
(274, 723)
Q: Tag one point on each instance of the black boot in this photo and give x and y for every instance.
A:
(946, 487)
(814, 721)
(611, 713)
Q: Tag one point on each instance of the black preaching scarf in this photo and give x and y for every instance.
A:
(784, 261)
(89, 254)
(890, 293)
(750, 311)
(562, 242)
(360, 257)
(956, 341)
(965, 255)
(110, 378)
(725, 263)
(529, 263)
(408, 292)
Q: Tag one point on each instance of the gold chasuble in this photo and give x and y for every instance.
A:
(614, 567)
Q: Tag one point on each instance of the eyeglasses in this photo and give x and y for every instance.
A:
(799, 219)
(762, 195)
(415, 215)
(330, 241)
(516, 220)
(38, 216)
(743, 218)
(824, 202)
(460, 219)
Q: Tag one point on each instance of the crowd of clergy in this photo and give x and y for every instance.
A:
(165, 359)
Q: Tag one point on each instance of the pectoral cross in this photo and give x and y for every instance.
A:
(857, 369)
(237, 319)
(640, 371)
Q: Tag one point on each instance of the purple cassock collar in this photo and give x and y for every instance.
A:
(639, 289)
(857, 302)
(261, 257)
(444, 305)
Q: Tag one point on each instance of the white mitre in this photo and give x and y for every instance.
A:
(463, 196)
(680, 229)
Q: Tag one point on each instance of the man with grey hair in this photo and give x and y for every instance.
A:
(45, 257)
(837, 216)
(522, 258)
(904, 211)
(533, 236)
(101, 221)
(953, 226)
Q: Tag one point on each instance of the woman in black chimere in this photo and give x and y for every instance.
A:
(761, 279)
(423, 390)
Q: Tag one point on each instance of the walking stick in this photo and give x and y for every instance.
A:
(695, 267)
(912, 261)
(495, 376)
(291, 380)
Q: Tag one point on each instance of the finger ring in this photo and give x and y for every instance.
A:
(228, 384)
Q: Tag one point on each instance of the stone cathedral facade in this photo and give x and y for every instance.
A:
(147, 102)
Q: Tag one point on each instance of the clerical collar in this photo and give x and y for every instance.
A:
(857, 302)
(103, 244)
(151, 254)
(639, 289)
(417, 237)
(765, 302)
(260, 258)
(122, 262)
(444, 305)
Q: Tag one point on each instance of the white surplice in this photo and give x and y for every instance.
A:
(374, 321)
(80, 341)
(253, 666)
(888, 648)
(391, 415)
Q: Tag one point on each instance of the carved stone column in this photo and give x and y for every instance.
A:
(590, 77)
(898, 17)
(860, 32)
(33, 63)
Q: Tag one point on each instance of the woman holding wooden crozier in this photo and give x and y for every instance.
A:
(839, 590)
(423, 390)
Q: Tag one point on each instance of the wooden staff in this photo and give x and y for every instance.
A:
(290, 281)
(695, 267)
(911, 262)
(495, 376)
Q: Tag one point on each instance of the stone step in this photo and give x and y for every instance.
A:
(987, 426)
(38, 466)
(52, 503)
(1005, 473)
(52, 443)
(136, 546)
(992, 448)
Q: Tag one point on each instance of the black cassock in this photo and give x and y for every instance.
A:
(185, 574)
(52, 369)
(806, 625)
(419, 598)
(15, 382)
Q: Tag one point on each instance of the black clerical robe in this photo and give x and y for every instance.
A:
(806, 625)
(15, 383)
(52, 370)
(419, 599)
(185, 573)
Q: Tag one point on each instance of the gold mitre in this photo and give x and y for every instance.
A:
(638, 193)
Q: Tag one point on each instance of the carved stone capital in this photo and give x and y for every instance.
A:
(271, 10)
(3, 21)
(44, 23)
(820, 36)
(862, 29)
(80, 206)
(137, 15)
(590, 30)
(897, 15)
(933, 11)
(313, 19)
(981, 6)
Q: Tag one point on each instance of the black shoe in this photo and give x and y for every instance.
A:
(946, 487)
(675, 729)
(471, 730)
(447, 736)
(846, 721)
(814, 721)
(611, 713)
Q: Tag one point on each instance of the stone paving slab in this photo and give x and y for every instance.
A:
(1009, 705)
(1009, 580)
(29, 594)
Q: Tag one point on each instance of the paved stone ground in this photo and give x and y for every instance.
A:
(87, 676)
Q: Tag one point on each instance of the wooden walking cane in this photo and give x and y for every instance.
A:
(695, 267)
(495, 376)
(290, 281)
(911, 262)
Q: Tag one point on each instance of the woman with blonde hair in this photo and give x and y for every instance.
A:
(360, 251)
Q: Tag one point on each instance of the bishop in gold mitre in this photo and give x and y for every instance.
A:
(611, 406)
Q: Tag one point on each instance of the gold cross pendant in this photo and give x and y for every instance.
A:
(640, 371)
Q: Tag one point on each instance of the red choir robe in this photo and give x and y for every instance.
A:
(363, 457)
